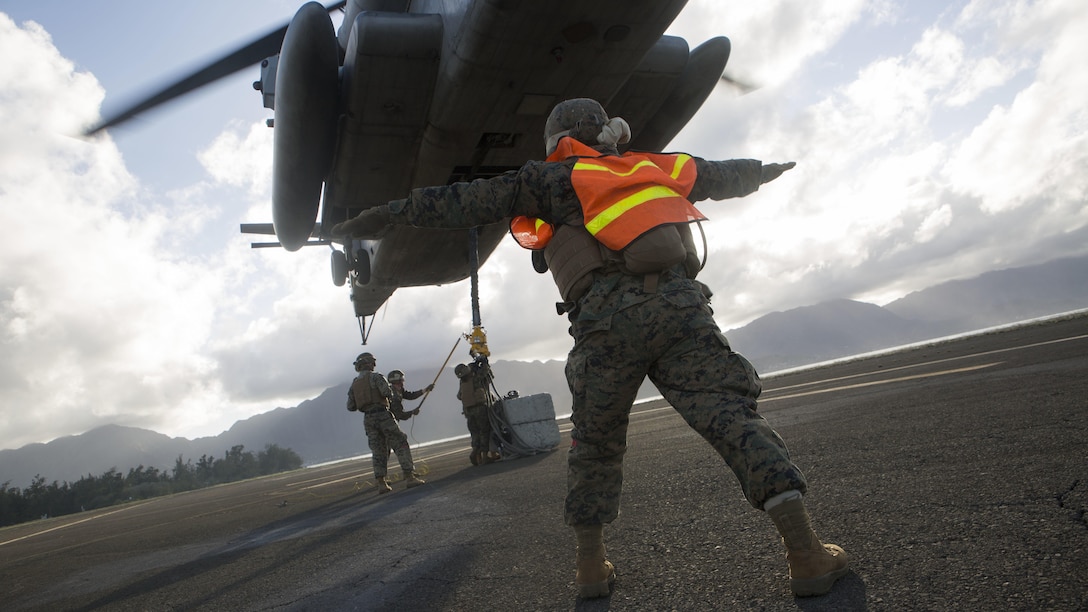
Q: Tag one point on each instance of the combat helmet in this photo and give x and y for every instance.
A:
(396, 376)
(365, 361)
(579, 118)
(584, 120)
(461, 370)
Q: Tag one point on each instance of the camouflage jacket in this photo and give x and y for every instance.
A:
(396, 402)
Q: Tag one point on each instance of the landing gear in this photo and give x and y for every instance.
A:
(361, 266)
(358, 262)
(357, 268)
(339, 268)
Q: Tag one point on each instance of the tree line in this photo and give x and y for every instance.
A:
(40, 500)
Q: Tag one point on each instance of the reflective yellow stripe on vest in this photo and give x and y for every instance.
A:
(613, 212)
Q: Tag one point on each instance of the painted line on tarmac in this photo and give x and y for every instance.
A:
(764, 400)
(67, 525)
(883, 382)
(927, 363)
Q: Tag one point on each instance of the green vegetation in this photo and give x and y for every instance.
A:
(40, 500)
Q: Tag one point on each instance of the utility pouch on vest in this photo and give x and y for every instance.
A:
(571, 255)
(654, 251)
(467, 392)
(692, 264)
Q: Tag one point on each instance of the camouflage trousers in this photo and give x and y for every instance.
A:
(479, 427)
(675, 341)
(383, 434)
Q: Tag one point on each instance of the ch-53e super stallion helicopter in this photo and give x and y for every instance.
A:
(412, 93)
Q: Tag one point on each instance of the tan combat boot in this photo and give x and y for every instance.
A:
(382, 485)
(814, 566)
(595, 574)
(413, 480)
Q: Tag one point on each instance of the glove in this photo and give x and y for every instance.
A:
(772, 171)
(415, 412)
(429, 388)
(371, 223)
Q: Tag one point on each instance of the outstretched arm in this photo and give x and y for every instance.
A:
(732, 178)
(456, 206)
(538, 189)
(412, 394)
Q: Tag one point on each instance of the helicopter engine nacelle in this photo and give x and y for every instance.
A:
(701, 74)
(307, 81)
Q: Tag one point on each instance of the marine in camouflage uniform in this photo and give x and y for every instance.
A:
(627, 327)
(370, 394)
(476, 401)
(396, 400)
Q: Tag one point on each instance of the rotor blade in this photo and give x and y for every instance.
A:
(247, 55)
(741, 86)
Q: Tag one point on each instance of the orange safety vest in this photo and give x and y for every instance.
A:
(622, 197)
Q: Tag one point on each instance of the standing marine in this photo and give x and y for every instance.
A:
(370, 394)
(476, 400)
(396, 401)
(614, 230)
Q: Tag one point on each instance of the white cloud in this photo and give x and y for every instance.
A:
(878, 192)
(758, 32)
(107, 306)
(51, 96)
(1036, 146)
(243, 160)
(934, 222)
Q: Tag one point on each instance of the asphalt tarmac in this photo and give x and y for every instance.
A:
(954, 474)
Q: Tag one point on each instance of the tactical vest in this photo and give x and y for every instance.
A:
(367, 397)
(471, 395)
(636, 215)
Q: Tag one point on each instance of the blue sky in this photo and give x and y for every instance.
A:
(934, 141)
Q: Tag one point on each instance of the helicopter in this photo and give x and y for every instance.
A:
(414, 93)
